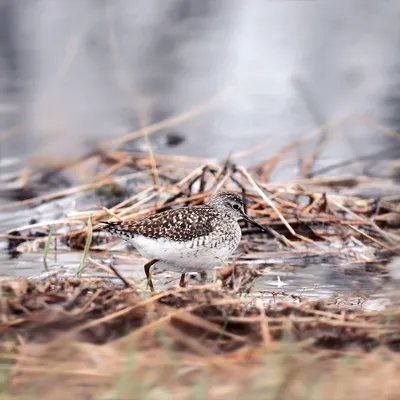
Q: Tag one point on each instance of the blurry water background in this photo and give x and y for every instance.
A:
(74, 72)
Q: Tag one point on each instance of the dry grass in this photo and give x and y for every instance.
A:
(298, 212)
(88, 339)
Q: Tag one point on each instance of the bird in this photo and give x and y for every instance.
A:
(187, 239)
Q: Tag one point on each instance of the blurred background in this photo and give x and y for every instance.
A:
(75, 73)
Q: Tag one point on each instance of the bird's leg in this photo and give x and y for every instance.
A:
(147, 272)
(182, 281)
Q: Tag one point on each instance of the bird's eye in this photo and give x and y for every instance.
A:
(236, 206)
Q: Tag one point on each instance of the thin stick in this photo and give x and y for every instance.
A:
(221, 182)
(73, 190)
(86, 250)
(123, 78)
(273, 160)
(374, 240)
(384, 129)
(251, 150)
(191, 113)
(372, 156)
(368, 222)
(243, 171)
(121, 163)
(112, 268)
(117, 155)
(138, 204)
(111, 213)
(132, 198)
(318, 119)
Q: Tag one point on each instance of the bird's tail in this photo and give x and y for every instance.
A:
(109, 226)
(116, 228)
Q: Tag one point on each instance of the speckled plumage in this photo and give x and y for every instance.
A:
(189, 238)
(180, 225)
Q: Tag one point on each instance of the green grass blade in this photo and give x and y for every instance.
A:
(226, 322)
(46, 250)
(86, 250)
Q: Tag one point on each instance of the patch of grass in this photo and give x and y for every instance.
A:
(225, 325)
(46, 250)
(86, 250)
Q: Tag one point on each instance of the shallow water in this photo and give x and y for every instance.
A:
(312, 277)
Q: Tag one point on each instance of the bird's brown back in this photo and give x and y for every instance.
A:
(182, 224)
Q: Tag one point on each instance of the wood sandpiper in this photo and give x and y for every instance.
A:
(187, 239)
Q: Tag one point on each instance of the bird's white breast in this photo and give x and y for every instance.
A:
(201, 253)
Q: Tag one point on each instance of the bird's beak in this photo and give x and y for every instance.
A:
(248, 219)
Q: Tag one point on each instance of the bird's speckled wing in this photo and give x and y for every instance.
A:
(181, 225)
